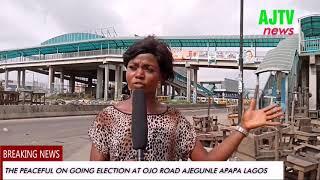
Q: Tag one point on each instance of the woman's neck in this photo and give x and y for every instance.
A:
(151, 102)
(153, 106)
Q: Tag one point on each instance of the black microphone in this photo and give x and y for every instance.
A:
(139, 126)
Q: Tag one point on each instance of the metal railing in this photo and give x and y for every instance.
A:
(102, 52)
(66, 55)
(310, 45)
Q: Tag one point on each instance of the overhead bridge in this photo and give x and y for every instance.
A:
(77, 58)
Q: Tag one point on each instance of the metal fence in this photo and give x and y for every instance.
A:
(310, 45)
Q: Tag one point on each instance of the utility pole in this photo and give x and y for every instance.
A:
(240, 100)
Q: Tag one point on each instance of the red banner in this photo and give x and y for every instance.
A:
(30, 153)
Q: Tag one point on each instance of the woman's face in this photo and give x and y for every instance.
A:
(143, 72)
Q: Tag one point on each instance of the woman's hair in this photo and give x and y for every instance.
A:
(160, 50)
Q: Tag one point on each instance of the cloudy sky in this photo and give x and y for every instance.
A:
(29, 22)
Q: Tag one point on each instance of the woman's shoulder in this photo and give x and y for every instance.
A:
(173, 111)
(108, 109)
(106, 114)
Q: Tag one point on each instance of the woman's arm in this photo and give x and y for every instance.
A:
(219, 153)
(251, 119)
(95, 155)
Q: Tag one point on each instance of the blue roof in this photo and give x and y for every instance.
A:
(72, 37)
(310, 26)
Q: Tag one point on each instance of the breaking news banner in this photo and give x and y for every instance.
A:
(28, 153)
(45, 162)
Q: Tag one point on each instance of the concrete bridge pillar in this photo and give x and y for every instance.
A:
(51, 79)
(99, 83)
(23, 82)
(18, 79)
(304, 100)
(90, 85)
(313, 83)
(118, 82)
(61, 81)
(165, 89)
(72, 83)
(106, 81)
(159, 89)
(195, 83)
(6, 79)
(172, 92)
(181, 92)
(188, 84)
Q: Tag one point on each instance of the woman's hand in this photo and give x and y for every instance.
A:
(253, 118)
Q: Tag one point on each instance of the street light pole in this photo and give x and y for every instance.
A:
(240, 90)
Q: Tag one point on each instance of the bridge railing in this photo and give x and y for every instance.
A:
(310, 45)
(66, 55)
(84, 54)
(219, 56)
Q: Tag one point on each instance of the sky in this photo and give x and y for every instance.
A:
(26, 23)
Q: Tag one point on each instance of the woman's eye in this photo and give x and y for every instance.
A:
(132, 67)
(150, 70)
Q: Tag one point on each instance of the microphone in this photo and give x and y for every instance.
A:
(139, 126)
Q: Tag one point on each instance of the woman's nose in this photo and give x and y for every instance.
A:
(139, 73)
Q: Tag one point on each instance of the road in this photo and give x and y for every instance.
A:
(70, 132)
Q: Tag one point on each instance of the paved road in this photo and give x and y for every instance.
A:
(71, 132)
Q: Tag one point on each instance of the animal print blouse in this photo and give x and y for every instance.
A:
(171, 136)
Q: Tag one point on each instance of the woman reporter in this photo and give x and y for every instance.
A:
(170, 135)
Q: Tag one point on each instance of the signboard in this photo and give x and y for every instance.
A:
(213, 56)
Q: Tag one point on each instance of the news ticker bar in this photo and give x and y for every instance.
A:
(46, 162)
(142, 170)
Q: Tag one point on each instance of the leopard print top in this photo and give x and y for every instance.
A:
(171, 136)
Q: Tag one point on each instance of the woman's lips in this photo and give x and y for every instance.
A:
(138, 85)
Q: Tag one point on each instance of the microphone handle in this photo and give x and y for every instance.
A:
(140, 155)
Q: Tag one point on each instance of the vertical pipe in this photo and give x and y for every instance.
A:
(256, 93)
(240, 108)
(195, 83)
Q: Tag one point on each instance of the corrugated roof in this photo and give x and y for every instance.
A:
(281, 57)
(72, 37)
(310, 26)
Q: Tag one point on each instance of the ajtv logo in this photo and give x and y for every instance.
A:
(280, 17)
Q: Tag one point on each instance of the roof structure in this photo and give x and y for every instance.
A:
(310, 26)
(280, 58)
(74, 43)
(72, 37)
